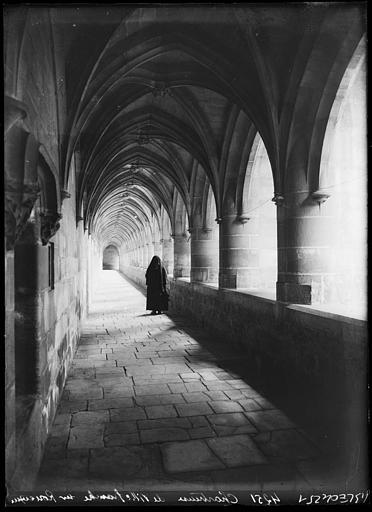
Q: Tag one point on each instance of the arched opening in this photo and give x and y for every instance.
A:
(259, 214)
(343, 180)
(110, 258)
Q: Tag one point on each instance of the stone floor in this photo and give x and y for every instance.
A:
(151, 403)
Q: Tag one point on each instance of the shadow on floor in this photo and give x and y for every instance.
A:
(320, 411)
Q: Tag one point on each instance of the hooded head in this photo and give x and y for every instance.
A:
(155, 263)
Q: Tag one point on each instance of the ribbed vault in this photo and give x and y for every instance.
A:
(168, 101)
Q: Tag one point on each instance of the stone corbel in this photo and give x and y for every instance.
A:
(65, 194)
(49, 225)
(19, 202)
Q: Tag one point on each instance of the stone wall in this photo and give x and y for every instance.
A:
(56, 316)
(314, 355)
(10, 420)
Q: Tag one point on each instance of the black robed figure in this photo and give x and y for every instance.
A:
(157, 292)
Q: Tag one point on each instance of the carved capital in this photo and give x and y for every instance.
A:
(19, 202)
(65, 194)
(49, 225)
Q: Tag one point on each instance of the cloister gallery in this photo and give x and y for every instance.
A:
(229, 140)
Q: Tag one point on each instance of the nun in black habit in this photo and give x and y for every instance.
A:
(156, 281)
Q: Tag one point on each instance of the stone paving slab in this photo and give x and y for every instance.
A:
(56, 447)
(63, 474)
(201, 432)
(160, 411)
(160, 399)
(249, 404)
(195, 386)
(195, 397)
(189, 456)
(110, 403)
(156, 389)
(237, 450)
(86, 437)
(194, 409)
(221, 406)
(121, 427)
(163, 435)
(128, 414)
(164, 423)
(117, 391)
(233, 419)
(269, 420)
(123, 462)
(287, 444)
(85, 418)
(121, 439)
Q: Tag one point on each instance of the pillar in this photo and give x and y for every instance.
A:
(304, 249)
(181, 255)
(204, 255)
(167, 254)
(239, 258)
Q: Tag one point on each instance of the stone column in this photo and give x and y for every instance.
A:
(204, 255)
(239, 259)
(304, 249)
(167, 253)
(181, 255)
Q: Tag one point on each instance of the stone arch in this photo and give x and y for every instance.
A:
(343, 188)
(259, 215)
(354, 69)
(110, 258)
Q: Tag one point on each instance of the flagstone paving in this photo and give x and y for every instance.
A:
(150, 403)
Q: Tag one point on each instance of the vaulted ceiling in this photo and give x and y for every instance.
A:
(161, 98)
